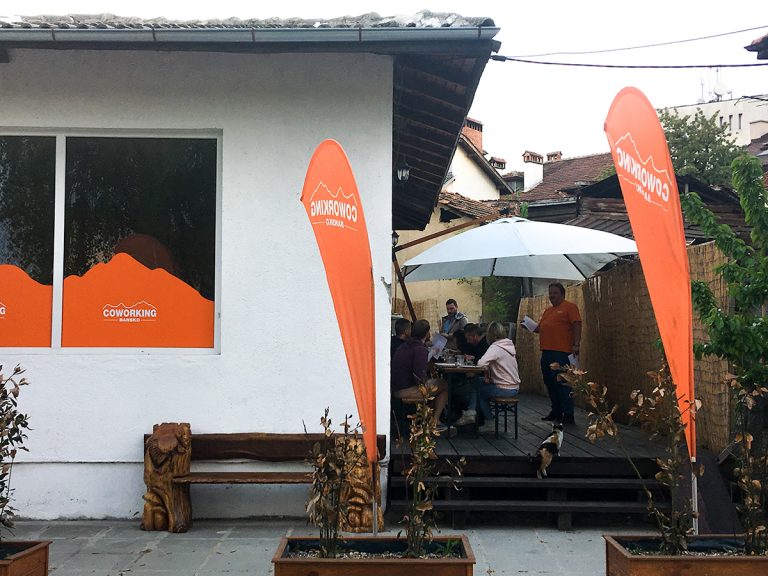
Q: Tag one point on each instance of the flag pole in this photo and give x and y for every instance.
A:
(375, 499)
(695, 496)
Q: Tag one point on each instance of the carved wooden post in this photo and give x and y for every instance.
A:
(167, 454)
(359, 497)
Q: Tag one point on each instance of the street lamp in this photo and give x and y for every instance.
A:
(403, 171)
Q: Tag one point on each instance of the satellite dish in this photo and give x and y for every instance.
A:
(720, 89)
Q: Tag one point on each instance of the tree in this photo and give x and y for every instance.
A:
(739, 334)
(699, 146)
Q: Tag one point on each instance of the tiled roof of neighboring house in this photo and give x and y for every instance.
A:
(564, 175)
(422, 19)
(760, 45)
(759, 147)
(601, 207)
(465, 206)
(509, 207)
(438, 59)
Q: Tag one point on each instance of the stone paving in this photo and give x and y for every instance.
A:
(528, 547)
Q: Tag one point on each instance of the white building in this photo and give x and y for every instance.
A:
(186, 147)
(746, 118)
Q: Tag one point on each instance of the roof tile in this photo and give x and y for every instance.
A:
(464, 205)
(563, 174)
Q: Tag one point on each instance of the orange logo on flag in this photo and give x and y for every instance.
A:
(651, 183)
(332, 209)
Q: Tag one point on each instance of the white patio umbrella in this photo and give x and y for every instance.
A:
(521, 248)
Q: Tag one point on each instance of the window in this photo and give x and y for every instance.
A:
(27, 182)
(138, 230)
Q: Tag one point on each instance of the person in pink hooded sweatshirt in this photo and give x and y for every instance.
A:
(503, 377)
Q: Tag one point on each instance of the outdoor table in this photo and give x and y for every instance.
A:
(449, 368)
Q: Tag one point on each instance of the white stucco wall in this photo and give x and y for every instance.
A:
(470, 180)
(281, 360)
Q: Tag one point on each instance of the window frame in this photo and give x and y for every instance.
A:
(61, 135)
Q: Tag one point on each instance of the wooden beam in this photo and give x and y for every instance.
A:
(456, 228)
(401, 281)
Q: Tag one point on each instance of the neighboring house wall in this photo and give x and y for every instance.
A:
(280, 360)
(429, 297)
(745, 118)
(469, 180)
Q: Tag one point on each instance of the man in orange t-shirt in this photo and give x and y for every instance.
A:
(559, 336)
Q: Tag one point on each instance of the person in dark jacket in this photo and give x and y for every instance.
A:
(473, 344)
(410, 366)
(402, 333)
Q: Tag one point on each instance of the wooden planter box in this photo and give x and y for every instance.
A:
(284, 566)
(619, 562)
(31, 559)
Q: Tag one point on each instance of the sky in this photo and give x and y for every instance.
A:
(542, 108)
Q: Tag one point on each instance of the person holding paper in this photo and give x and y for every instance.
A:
(559, 337)
(453, 322)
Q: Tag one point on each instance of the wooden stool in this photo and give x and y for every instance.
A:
(503, 404)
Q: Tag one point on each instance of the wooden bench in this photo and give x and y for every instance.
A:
(170, 449)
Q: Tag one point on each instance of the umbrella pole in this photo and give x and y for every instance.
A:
(401, 280)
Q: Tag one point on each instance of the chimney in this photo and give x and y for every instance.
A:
(473, 131)
(533, 169)
(529, 156)
(554, 156)
(498, 163)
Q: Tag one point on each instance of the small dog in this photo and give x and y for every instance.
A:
(549, 448)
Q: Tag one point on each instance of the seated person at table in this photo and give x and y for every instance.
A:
(473, 343)
(409, 369)
(503, 377)
(402, 333)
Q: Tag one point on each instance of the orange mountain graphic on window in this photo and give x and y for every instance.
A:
(125, 304)
(25, 309)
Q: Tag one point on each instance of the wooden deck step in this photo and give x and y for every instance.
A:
(532, 506)
(544, 483)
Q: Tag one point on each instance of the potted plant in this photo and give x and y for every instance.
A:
(17, 558)
(420, 552)
(675, 550)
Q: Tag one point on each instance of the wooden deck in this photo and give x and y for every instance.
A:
(500, 474)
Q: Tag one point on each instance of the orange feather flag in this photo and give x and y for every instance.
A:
(644, 167)
(332, 202)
